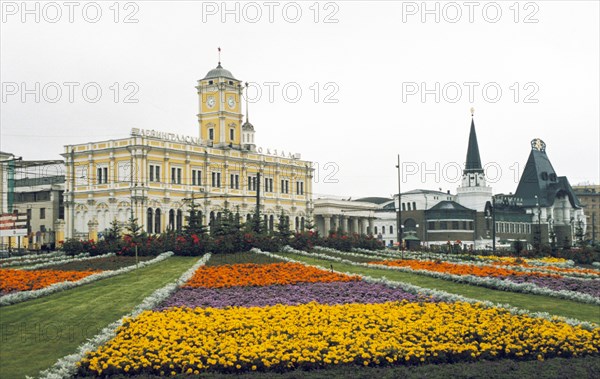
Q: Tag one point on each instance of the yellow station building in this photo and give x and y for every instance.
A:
(155, 174)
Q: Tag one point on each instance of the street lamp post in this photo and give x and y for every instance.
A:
(494, 224)
(399, 213)
(539, 228)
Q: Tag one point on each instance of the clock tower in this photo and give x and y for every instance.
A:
(220, 116)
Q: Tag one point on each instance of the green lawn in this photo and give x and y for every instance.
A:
(536, 303)
(36, 333)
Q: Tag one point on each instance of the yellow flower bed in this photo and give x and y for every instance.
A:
(192, 340)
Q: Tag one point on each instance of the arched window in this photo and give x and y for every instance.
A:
(212, 219)
(297, 223)
(179, 222)
(171, 219)
(271, 222)
(383, 229)
(375, 230)
(391, 229)
(408, 204)
(302, 226)
(157, 226)
(414, 205)
(403, 206)
(149, 220)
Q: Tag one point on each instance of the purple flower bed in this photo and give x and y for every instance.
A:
(324, 293)
(587, 286)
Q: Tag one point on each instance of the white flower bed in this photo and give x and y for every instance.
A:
(493, 283)
(84, 257)
(597, 264)
(66, 366)
(30, 256)
(18, 297)
(442, 295)
(41, 260)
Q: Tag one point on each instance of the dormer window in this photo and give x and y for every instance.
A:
(210, 82)
(230, 83)
(553, 177)
(544, 175)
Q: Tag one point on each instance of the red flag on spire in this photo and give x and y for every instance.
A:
(219, 49)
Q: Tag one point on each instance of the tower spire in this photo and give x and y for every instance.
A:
(219, 48)
(473, 163)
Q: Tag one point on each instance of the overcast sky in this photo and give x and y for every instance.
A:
(363, 69)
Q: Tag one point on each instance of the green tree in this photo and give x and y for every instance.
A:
(283, 228)
(114, 232)
(135, 233)
(194, 221)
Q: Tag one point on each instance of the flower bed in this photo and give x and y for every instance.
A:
(262, 275)
(22, 280)
(191, 340)
(459, 269)
(293, 294)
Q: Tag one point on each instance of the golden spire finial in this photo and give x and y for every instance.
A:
(472, 111)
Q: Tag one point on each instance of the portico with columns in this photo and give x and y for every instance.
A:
(347, 216)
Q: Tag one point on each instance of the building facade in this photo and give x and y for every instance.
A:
(155, 175)
(589, 197)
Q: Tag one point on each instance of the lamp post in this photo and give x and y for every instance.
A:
(494, 224)
(539, 228)
(399, 213)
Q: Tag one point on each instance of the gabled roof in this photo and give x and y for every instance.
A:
(539, 179)
(473, 163)
(449, 205)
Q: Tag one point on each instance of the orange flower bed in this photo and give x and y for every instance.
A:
(24, 280)
(459, 269)
(561, 270)
(251, 274)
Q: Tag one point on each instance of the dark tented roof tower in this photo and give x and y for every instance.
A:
(473, 163)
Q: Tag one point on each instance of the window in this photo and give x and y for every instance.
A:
(157, 226)
(431, 225)
(464, 225)
(444, 225)
(102, 175)
(176, 175)
(196, 177)
(455, 225)
(414, 206)
(285, 186)
(391, 229)
(403, 206)
(383, 229)
(234, 181)
(299, 188)
(154, 173)
(231, 134)
(408, 206)
(211, 134)
(252, 183)
(375, 230)
(268, 184)
(216, 179)
(42, 213)
(149, 219)
(471, 225)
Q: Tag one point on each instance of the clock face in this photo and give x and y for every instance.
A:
(210, 102)
(231, 102)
